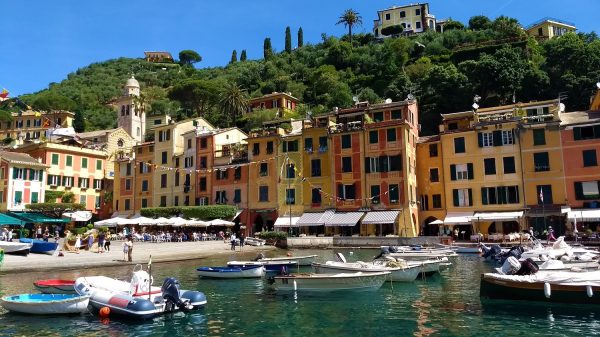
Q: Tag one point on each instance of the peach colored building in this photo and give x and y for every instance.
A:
(22, 181)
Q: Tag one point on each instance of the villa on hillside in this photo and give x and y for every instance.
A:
(548, 28)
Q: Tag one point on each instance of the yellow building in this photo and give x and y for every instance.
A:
(31, 126)
(291, 168)
(548, 28)
(414, 19)
(317, 166)
(430, 182)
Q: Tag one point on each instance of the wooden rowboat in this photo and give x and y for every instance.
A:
(55, 286)
(46, 304)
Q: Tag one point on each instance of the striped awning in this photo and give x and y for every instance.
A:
(497, 216)
(284, 221)
(344, 219)
(455, 218)
(380, 217)
(584, 215)
(314, 219)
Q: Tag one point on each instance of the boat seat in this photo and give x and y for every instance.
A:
(146, 293)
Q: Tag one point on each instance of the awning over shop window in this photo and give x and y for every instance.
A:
(584, 215)
(380, 217)
(34, 217)
(284, 221)
(456, 218)
(314, 219)
(6, 220)
(497, 216)
(344, 219)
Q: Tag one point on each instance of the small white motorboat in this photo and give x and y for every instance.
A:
(269, 265)
(397, 273)
(305, 260)
(254, 241)
(11, 247)
(244, 271)
(46, 304)
(329, 282)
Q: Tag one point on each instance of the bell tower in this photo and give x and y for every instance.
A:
(131, 115)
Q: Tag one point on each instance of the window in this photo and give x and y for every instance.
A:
(378, 116)
(144, 185)
(144, 203)
(290, 146)
(203, 143)
(188, 162)
(346, 164)
(433, 150)
(290, 196)
(144, 168)
(586, 132)
(256, 149)
(19, 173)
(486, 139)
(263, 193)
(424, 203)
(221, 197)
(176, 201)
(237, 173)
(490, 166)
(53, 180)
(163, 180)
(459, 145)
(322, 144)
(203, 184)
(18, 197)
(176, 162)
(434, 175)
(544, 193)
(394, 193)
(587, 190)
(127, 204)
(509, 165)
(128, 169)
(315, 166)
(402, 14)
(418, 24)
(264, 169)
(69, 160)
(222, 174)
(589, 158)
(34, 197)
(203, 162)
(391, 135)
(68, 181)
(387, 16)
(396, 114)
(291, 171)
(189, 143)
(436, 200)
(85, 182)
(163, 201)
(375, 194)
(346, 191)
(508, 137)
(539, 137)
(373, 137)
(269, 147)
(541, 162)
(168, 135)
(164, 157)
(316, 196)
(98, 164)
(346, 141)
(98, 184)
(308, 145)
(237, 196)
(462, 197)
(461, 171)
(418, 12)
(55, 159)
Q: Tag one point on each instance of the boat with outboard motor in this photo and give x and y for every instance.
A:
(416, 253)
(46, 304)
(11, 247)
(311, 282)
(400, 271)
(55, 286)
(269, 265)
(305, 260)
(244, 271)
(254, 241)
(138, 298)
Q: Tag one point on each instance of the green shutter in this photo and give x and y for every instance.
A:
(480, 139)
(98, 164)
(55, 159)
(497, 138)
(31, 174)
(69, 160)
(470, 171)
(34, 197)
(49, 179)
(455, 197)
(579, 191)
(452, 172)
(577, 133)
(470, 197)
(367, 165)
(15, 173)
(340, 190)
(41, 175)
(484, 198)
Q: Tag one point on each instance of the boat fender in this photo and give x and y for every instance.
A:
(104, 312)
(589, 290)
(547, 290)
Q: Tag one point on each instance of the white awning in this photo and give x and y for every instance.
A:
(112, 222)
(314, 219)
(237, 213)
(496, 216)
(380, 217)
(584, 215)
(344, 219)
(79, 215)
(284, 221)
(455, 218)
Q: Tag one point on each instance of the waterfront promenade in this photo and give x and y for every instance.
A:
(161, 252)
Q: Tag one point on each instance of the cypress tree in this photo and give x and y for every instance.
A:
(267, 49)
(79, 121)
(288, 40)
(243, 55)
(300, 37)
(233, 57)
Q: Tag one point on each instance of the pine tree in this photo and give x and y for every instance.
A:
(233, 57)
(267, 49)
(288, 40)
(300, 37)
(79, 121)
(243, 55)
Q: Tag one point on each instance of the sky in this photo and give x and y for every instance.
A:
(43, 41)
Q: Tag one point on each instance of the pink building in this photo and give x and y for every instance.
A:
(22, 181)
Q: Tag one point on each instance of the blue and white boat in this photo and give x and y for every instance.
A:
(269, 265)
(246, 271)
(40, 246)
(46, 304)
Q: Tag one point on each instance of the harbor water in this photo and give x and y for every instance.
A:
(442, 305)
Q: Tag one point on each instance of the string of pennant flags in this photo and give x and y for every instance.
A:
(288, 161)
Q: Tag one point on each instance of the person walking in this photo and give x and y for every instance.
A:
(550, 234)
(107, 243)
(129, 244)
(232, 239)
(241, 241)
(77, 243)
(90, 241)
(101, 237)
(10, 235)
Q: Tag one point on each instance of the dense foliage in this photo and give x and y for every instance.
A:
(490, 58)
(54, 209)
(197, 212)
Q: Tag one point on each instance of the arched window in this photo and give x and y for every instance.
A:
(120, 142)
(139, 132)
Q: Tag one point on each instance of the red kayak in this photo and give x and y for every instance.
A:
(55, 286)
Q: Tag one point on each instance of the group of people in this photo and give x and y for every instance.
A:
(235, 240)
(6, 234)
(103, 242)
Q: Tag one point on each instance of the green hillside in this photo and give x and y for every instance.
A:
(492, 59)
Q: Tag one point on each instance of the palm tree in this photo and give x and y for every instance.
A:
(233, 101)
(350, 18)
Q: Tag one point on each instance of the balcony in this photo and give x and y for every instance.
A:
(264, 132)
(346, 127)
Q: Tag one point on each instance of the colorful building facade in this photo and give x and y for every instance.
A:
(414, 18)
(22, 181)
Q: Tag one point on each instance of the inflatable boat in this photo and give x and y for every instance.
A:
(138, 298)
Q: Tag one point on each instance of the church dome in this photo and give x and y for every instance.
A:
(132, 82)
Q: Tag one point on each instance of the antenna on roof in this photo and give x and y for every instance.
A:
(410, 97)
(598, 85)
(355, 99)
(475, 100)
(388, 100)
